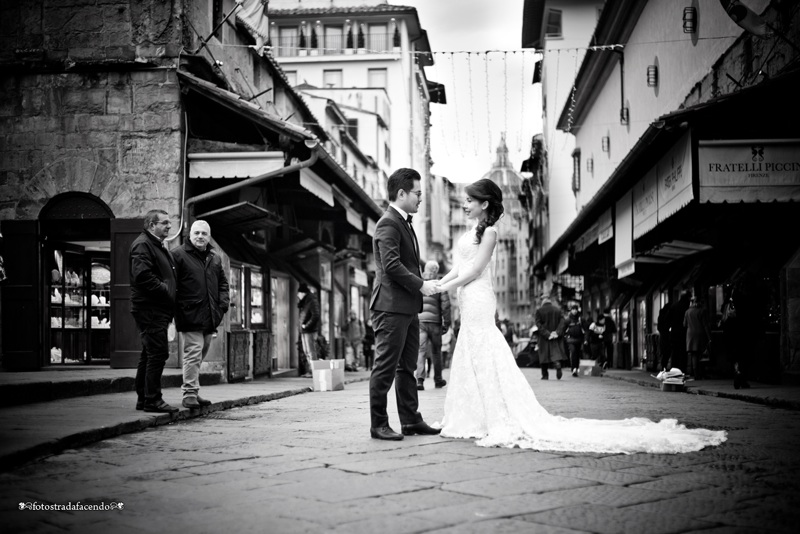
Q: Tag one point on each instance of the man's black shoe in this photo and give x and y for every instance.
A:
(421, 428)
(545, 377)
(558, 373)
(203, 402)
(441, 383)
(140, 405)
(161, 407)
(420, 384)
(385, 432)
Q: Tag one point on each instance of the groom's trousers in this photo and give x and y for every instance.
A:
(396, 346)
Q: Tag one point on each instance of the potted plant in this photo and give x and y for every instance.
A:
(361, 44)
(314, 43)
(396, 39)
(301, 42)
(349, 41)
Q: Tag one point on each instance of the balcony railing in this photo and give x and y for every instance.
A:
(334, 45)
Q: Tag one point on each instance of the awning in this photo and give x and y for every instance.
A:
(253, 14)
(354, 218)
(623, 243)
(436, 93)
(242, 217)
(317, 186)
(233, 164)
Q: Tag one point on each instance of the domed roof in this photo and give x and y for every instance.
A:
(502, 173)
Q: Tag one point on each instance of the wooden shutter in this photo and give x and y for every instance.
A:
(126, 346)
(21, 301)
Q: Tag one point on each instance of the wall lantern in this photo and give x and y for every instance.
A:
(652, 76)
(590, 165)
(605, 143)
(689, 20)
(624, 116)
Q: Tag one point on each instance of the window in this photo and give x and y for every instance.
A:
(287, 41)
(352, 128)
(332, 78)
(553, 27)
(376, 78)
(378, 38)
(576, 170)
(387, 154)
(333, 40)
(291, 75)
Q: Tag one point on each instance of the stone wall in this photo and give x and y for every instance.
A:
(116, 135)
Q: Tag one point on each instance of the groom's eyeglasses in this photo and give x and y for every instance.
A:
(417, 193)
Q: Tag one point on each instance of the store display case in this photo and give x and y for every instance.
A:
(79, 308)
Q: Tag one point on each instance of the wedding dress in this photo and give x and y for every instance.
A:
(489, 398)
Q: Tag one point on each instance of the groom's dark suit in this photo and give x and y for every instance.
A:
(396, 301)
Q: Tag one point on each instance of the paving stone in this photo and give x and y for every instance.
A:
(521, 463)
(471, 512)
(598, 475)
(610, 495)
(775, 517)
(378, 466)
(351, 486)
(415, 501)
(609, 520)
(516, 484)
(684, 482)
(503, 526)
(444, 473)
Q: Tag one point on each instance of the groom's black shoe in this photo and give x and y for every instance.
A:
(420, 428)
(385, 432)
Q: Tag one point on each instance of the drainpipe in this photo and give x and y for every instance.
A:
(190, 202)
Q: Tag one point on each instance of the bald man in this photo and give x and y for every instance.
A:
(202, 300)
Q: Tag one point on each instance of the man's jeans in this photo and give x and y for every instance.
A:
(430, 333)
(195, 348)
(152, 327)
(309, 340)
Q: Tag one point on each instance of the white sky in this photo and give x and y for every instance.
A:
(466, 131)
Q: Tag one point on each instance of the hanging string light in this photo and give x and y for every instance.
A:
(488, 99)
(505, 93)
(522, 103)
(473, 137)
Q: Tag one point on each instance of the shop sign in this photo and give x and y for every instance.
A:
(623, 242)
(360, 277)
(325, 275)
(626, 269)
(674, 178)
(645, 204)
(750, 170)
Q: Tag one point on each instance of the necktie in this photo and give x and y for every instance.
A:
(413, 233)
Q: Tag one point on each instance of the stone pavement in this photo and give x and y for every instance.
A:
(304, 463)
(100, 404)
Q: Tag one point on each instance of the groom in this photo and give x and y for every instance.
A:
(396, 300)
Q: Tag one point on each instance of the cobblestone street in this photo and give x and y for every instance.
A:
(305, 463)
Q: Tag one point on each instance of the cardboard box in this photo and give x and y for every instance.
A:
(672, 387)
(328, 375)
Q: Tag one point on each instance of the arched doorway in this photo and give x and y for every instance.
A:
(76, 265)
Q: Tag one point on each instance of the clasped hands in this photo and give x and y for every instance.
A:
(430, 287)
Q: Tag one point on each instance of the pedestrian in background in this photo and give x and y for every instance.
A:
(608, 337)
(575, 334)
(369, 345)
(309, 324)
(550, 323)
(509, 333)
(354, 336)
(597, 332)
(677, 332)
(152, 277)
(202, 300)
(698, 336)
(434, 319)
(447, 339)
(664, 347)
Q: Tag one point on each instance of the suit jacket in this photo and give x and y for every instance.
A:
(397, 277)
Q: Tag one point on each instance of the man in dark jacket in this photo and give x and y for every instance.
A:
(202, 300)
(152, 274)
(434, 320)
(309, 324)
(550, 322)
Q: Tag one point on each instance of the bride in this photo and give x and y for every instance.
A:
(489, 398)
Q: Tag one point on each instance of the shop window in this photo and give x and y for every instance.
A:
(257, 312)
(236, 288)
(280, 322)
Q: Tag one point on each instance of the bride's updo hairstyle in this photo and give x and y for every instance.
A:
(485, 190)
